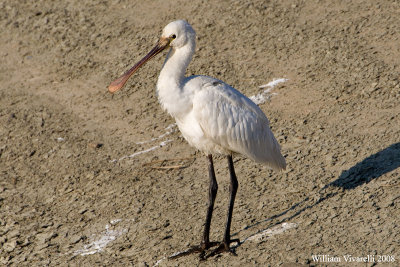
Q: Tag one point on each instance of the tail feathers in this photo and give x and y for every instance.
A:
(273, 157)
(278, 163)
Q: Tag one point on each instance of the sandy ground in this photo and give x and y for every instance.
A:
(80, 183)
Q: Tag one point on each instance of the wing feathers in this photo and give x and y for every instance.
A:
(234, 122)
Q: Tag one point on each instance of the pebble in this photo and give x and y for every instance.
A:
(10, 246)
(75, 239)
(82, 211)
(5, 260)
(45, 237)
(12, 234)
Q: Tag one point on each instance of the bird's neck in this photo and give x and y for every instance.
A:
(176, 63)
(170, 81)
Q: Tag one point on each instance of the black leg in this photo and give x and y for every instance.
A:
(224, 245)
(212, 193)
(205, 243)
(232, 189)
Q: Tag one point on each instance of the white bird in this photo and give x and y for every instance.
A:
(211, 115)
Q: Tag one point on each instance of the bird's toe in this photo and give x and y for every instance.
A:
(222, 248)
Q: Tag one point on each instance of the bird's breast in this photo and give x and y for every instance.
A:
(173, 100)
(194, 134)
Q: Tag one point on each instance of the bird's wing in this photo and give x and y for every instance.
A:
(236, 123)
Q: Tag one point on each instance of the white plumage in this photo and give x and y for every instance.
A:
(212, 116)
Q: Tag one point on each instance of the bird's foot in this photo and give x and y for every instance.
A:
(203, 248)
(221, 248)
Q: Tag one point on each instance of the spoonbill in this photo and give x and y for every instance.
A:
(212, 116)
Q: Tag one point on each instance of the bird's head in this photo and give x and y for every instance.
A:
(176, 35)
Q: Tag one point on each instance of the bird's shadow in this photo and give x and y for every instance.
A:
(362, 172)
(370, 168)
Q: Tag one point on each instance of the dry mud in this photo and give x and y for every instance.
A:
(80, 176)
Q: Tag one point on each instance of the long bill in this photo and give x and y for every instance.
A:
(120, 82)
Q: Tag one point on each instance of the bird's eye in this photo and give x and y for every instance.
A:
(173, 36)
